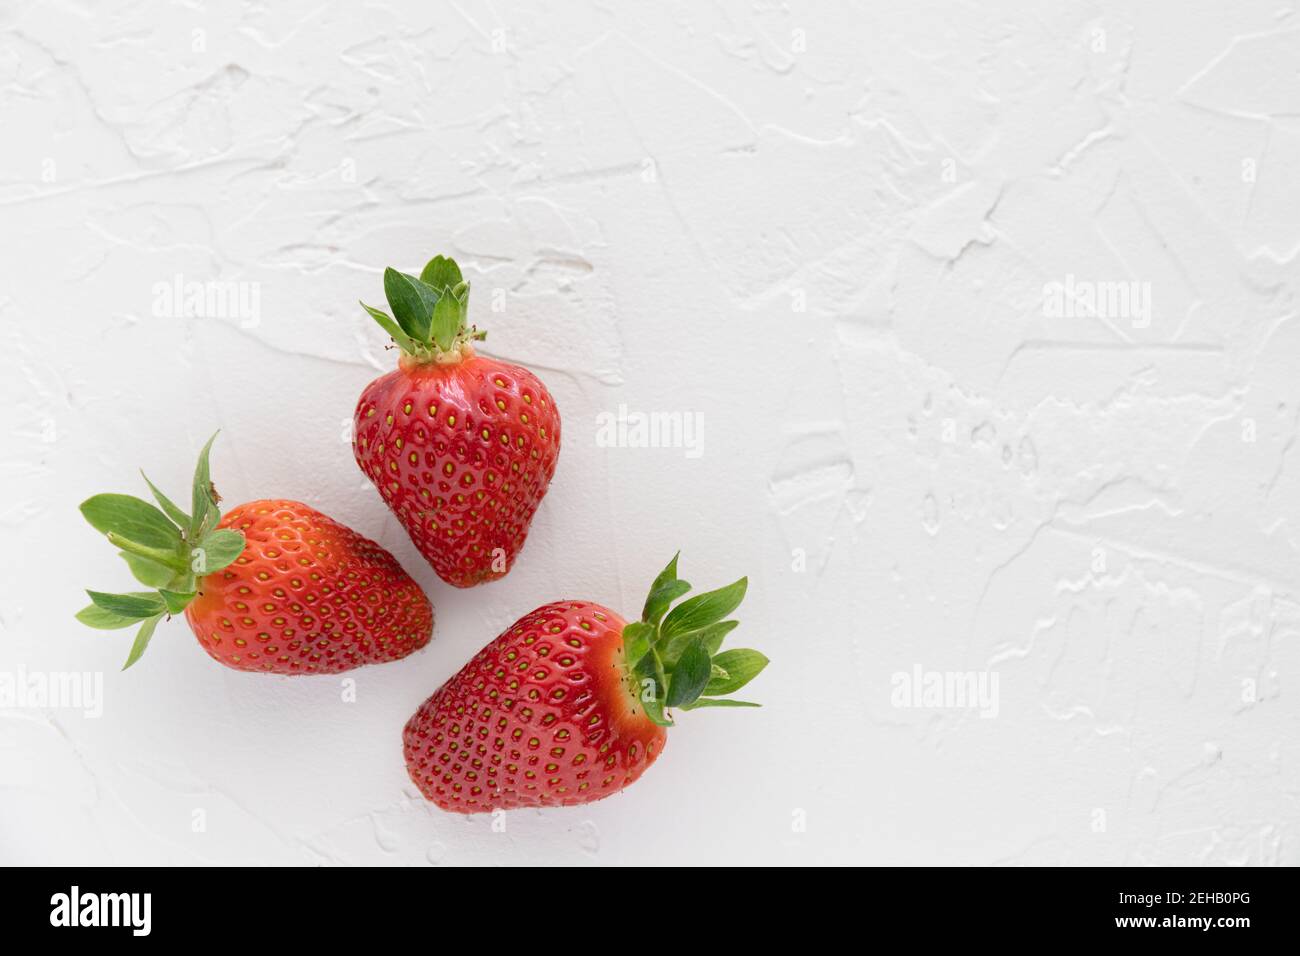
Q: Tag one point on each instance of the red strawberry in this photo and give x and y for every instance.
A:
(568, 705)
(275, 586)
(462, 447)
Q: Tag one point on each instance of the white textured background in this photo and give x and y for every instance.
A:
(824, 230)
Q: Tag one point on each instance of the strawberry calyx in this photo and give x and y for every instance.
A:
(674, 654)
(430, 313)
(166, 550)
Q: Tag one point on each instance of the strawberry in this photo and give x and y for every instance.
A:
(274, 586)
(461, 446)
(570, 703)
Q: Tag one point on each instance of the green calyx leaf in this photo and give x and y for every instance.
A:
(126, 518)
(92, 615)
(412, 303)
(690, 675)
(150, 573)
(734, 669)
(142, 638)
(718, 702)
(176, 601)
(673, 653)
(654, 709)
(663, 592)
(704, 609)
(165, 549)
(205, 514)
(136, 606)
(711, 637)
(394, 330)
(166, 557)
(181, 519)
(441, 272)
(216, 551)
(637, 638)
(429, 313)
(446, 322)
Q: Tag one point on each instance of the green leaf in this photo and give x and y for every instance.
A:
(740, 667)
(636, 641)
(148, 572)
(135, 605)
(142, 638)
(176, 601)
(218, 550)
(441, 272)
(203, 511)
(662, 598)
(645, 667)
(654, 709)
(168, 557)
(412, 302)
(718, 702)
(666, 589)
(168, 506)
(94, 616)
(689, 676)
(133, 519)
(652, 666)
(647, 672)
(711, 637)
(447, 315)
(392, 328)
(704, 609)
(655, 605)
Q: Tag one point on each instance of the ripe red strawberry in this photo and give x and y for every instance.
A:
(462, 447)
(569, 704)
(275, 586)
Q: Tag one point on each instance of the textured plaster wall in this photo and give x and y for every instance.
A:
(831, 237)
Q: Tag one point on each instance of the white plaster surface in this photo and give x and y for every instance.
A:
(825, 230)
